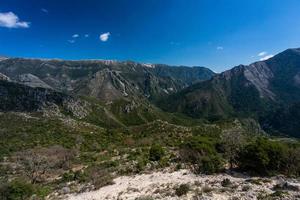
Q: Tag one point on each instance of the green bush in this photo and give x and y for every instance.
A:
(210, 164)
(141, 163)
(263, 157)
(226, 182)
(183, 189)
(16, 190)
(156, 153)
(201, 152)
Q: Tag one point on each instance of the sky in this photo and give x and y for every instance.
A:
(218, 34)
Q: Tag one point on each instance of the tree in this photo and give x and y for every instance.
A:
(201, 153)
(35, 165)
(232, 143)
(292, 164)
(38, 162)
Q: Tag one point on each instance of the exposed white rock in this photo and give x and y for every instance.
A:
(162, 185)
(4, 77)
(108, 62)
(148, 65)
(32, 81)
(259, 75)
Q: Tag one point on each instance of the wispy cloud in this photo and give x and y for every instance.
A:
(175, 43)
(104, 37)
(75, 36)
(220, 48)
(86, 35)
(71, 41)
(263, 53)
(10, 20)
(266, 57)
(44, 10)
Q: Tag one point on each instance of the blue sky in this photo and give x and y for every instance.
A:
(218, 34)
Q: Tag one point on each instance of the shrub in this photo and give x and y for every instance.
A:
(292, 161)
(183, 189)
(156, 153)
(40, 161)
(16, 189)
(246, 188)
(231, 144)
(141, 163)
(263, 157)
(210, 164)
(98, 177)
(226, 182)
(201, 152)
(207, 189)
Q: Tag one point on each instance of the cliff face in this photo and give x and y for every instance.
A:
(21, 98)
(17, 97)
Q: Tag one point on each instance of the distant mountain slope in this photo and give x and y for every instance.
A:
(187, 75)
(106, 80)
(259, 90)
(17, 97)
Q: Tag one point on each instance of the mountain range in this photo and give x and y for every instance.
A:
(112, 93)
(268, 91)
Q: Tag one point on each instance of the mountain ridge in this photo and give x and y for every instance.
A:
(254, 90)
(74, 76)
(258, 90)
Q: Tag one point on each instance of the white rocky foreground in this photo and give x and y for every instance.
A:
(162, 185)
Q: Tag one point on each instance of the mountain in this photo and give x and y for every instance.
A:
(127, 93)
(105, 80)
(104, 93)
(268, 91)
(75, 126)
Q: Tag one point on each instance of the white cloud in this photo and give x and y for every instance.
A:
(266, 57)
(75, 36)
(44, 10)
(71, 41)
(86, 35)
(104, 37)
(10, 20)
(263, 53)
(220, 48)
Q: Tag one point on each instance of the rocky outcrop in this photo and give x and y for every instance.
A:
(260, 76)
(4, 78)
(32, 81)
(106, 85)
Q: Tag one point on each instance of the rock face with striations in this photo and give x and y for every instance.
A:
(32, 81)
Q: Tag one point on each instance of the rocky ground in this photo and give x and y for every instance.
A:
(183, 184)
